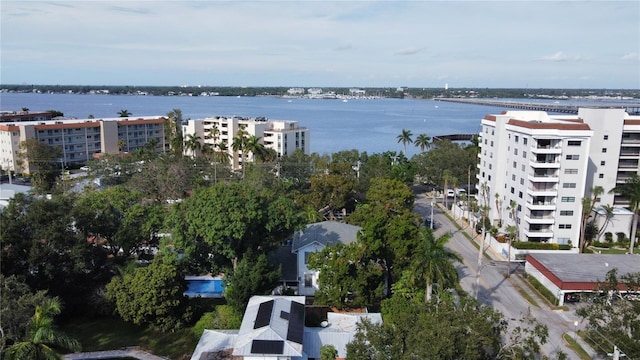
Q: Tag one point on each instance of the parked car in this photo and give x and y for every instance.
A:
(571, 298)
(451, 193)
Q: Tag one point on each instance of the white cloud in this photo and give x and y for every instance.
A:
(408, 51)
(632, 56)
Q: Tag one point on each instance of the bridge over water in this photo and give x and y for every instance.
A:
(631, 109)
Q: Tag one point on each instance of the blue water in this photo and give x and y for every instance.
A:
(205, 288)
(370, 125)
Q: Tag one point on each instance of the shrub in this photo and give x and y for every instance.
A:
(224, 317)
(621, 237)
(543, 290)
(608, 236)
(530, 245)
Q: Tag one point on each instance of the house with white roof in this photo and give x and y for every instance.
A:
(273, 329)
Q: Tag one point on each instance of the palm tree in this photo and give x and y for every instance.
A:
(423, 141)
(512, 230)
(253, 146)
(192, 143)
(43, 337)
(608, 218)
(433, 263)
(405, 138)
(124, 113)
(239, 143)
(631, 190)
(588, 205)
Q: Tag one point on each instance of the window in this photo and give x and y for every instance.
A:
(564, 226)
(568, 199)
(563, 241)
(566, 212)
(524, 154)
(600, 176)
(492, 143)
(308, 280)
(521, 181)
(515, 151)
(306, 257)
(522, 168)
(604, 150)
(489, 166)
(524, 141)
(520, 194)
(573, 157)
(605, 137)
(574, 143)
(602, 162)
(515, 164)
(569, 185)
(516, 138)
(512, 190)
(571, 171)
(513, 177)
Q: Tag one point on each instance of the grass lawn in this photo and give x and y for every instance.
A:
(112, 334)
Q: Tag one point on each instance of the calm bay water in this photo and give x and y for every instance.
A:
(370, 125)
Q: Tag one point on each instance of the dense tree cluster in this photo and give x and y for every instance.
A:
(123, 247)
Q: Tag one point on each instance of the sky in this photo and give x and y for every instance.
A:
(487, 44)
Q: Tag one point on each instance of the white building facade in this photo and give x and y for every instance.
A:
(545, 164)
(282, 136)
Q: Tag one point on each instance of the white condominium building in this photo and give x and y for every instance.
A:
(80, 139)
(545, 164)
(283, 136)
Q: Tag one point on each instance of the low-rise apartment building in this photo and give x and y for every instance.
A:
(80, 139)
(540, 166)
(282, 136)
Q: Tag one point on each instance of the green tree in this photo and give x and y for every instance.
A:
(331, 192)
(347, 278)
(152, 295)
(405, 138)
(612, 319)
(192, 144)
(173, 131)
(423, 141)
(124, 113)
(239, 144)
(44, 339)
(254, 146)
(253, 276)
(445, 155)
(17, 305)
(631, 190)
(235, 217)
(588, 204)
(432, 263)
(41, 161)
(328, 352)
(119, 219)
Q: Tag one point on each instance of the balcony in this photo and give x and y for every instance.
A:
(540, 218)
(541, 203)
(537, 190)
(631, 138)
(544, 176)
(543, 232)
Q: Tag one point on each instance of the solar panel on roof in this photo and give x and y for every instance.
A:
(263, 318)
(296, 322)
(267, 346)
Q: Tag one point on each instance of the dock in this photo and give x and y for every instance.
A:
(631, 109)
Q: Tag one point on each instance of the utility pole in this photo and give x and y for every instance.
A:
(481, 250)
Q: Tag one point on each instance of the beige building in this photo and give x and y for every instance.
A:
(81, 139)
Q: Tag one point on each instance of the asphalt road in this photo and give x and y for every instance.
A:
(498, 291)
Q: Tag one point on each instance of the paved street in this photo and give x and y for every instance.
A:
(496, 290)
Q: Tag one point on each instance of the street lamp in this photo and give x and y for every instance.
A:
(575, 331)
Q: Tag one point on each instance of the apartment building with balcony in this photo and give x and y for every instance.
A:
(81, 139)
(283, 136)
(546, 164)
(540, 164)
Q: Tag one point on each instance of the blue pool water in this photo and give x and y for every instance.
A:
(210, 288)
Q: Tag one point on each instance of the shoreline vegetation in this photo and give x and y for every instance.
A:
(330, 92)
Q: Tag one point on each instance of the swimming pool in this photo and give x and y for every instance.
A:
(207, 287)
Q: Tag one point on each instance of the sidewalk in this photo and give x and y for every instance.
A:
(518, 282)
(133, 352)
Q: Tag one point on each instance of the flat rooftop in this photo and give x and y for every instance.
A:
(590, 268)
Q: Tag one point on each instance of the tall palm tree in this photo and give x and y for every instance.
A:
(255, 147)
(512, 230)
(588, 205)
(423, 141)
(192, 143)
(405, 138)
(239, 143)
(608, 218)
(433, 263)
(43, 336)
(631, 190)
